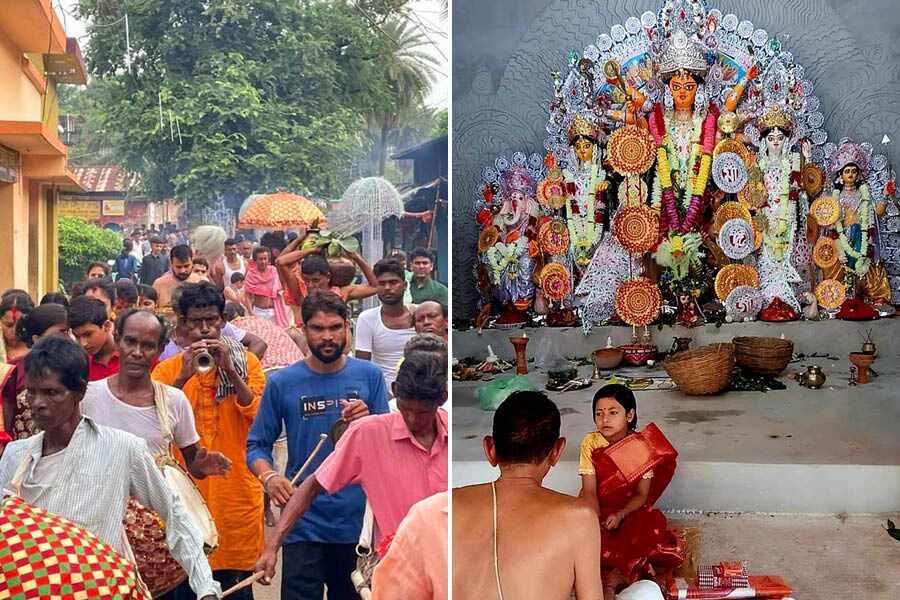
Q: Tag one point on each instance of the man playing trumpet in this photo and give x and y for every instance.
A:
(224, 384)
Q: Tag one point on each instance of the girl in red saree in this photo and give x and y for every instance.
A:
(623, 472)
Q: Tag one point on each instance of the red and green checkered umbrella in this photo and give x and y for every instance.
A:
(46, 556)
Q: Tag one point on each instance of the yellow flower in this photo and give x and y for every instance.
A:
(677, 246)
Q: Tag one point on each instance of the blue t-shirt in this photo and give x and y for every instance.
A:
(307, 404)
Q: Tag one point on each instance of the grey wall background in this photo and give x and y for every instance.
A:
(504, 51)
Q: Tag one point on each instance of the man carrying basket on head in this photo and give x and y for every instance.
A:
(85, 472)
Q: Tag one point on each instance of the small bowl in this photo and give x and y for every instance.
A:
(606, 359)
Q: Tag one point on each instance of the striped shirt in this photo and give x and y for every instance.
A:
(103, 468)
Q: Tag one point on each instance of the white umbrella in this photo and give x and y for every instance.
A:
(367, 201)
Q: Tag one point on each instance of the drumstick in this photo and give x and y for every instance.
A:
(245, 583)
(322, 438)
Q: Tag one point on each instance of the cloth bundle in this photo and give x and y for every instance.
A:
(728, 580)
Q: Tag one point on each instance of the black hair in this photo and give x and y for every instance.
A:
(104, 284)
(62, 356)
(623, 395)
(147, 291)
(237, 276)
(582, 136)
(389, 265)
(182, 252)
(323, 301)
(200, 295)
(839, 181)
(260, 250)
(526, 426)
(764, 132)
(230, 242)
(274, 240)
(201, 261)
(123, 319)
(127, 246)
(18, 299)
(425, 342)
(84, 310)
(233, 310)
(36, 322)
(315, 264)
(55, 298)
(13, 291)
(420, 253)
(102, 265)
(127, 290)
(157, 240)
(423, 377)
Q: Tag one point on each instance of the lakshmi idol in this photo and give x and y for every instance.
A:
(781, 175)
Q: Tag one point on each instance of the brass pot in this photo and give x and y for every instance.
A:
(813, 378)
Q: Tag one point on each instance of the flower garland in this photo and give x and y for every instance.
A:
(693, 173)
(861, 258)
(781, 240)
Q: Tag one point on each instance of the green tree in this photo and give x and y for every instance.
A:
(81, 244)
(409, 74)
(223, 98)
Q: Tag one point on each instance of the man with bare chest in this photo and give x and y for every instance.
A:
(514, 538)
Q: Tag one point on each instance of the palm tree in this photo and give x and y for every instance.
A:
(410, 73)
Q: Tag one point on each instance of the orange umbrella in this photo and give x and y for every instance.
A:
(280, 210)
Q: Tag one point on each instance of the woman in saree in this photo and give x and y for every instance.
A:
(623, 472)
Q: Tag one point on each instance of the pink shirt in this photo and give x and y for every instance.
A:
(415, 566)
(395, 471)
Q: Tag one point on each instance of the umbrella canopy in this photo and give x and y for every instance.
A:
(366, 201)
(280, 210)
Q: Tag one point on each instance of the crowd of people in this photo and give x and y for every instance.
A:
(217, 359)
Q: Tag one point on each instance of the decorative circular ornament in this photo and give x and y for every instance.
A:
(830, 294)
(555, 281)
(826, 210)
(733, 146)
(731, 276)
(636, 228)
(638, 301)
(728, 211)
(553, 237)
(754, 194)
(737, 239)
(631, 150)
(743, 301)
(825, 253)
(552, 193)
(812, 179)
(728, 122)
(489, 236)
(729, 172)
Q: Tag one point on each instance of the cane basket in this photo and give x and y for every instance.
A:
(702, 372)
(763, 355)
(45, 556)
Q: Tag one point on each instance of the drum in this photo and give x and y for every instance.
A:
(38, 559)
(146, 531)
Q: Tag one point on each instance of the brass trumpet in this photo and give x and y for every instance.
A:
(204, 362)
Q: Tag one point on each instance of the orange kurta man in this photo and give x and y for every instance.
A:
(236, 503)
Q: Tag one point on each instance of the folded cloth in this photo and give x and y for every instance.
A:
(722, 575)
(763, 586)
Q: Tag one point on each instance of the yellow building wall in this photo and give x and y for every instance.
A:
(19, 98)
(14, 233)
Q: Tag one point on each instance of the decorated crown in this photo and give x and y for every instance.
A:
(776, 118)
(518, 179)
(683, 54)
(581, 126)
(849, 152)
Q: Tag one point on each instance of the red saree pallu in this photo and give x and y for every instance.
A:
(642, 542)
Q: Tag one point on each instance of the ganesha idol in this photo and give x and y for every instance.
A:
(506, 246)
